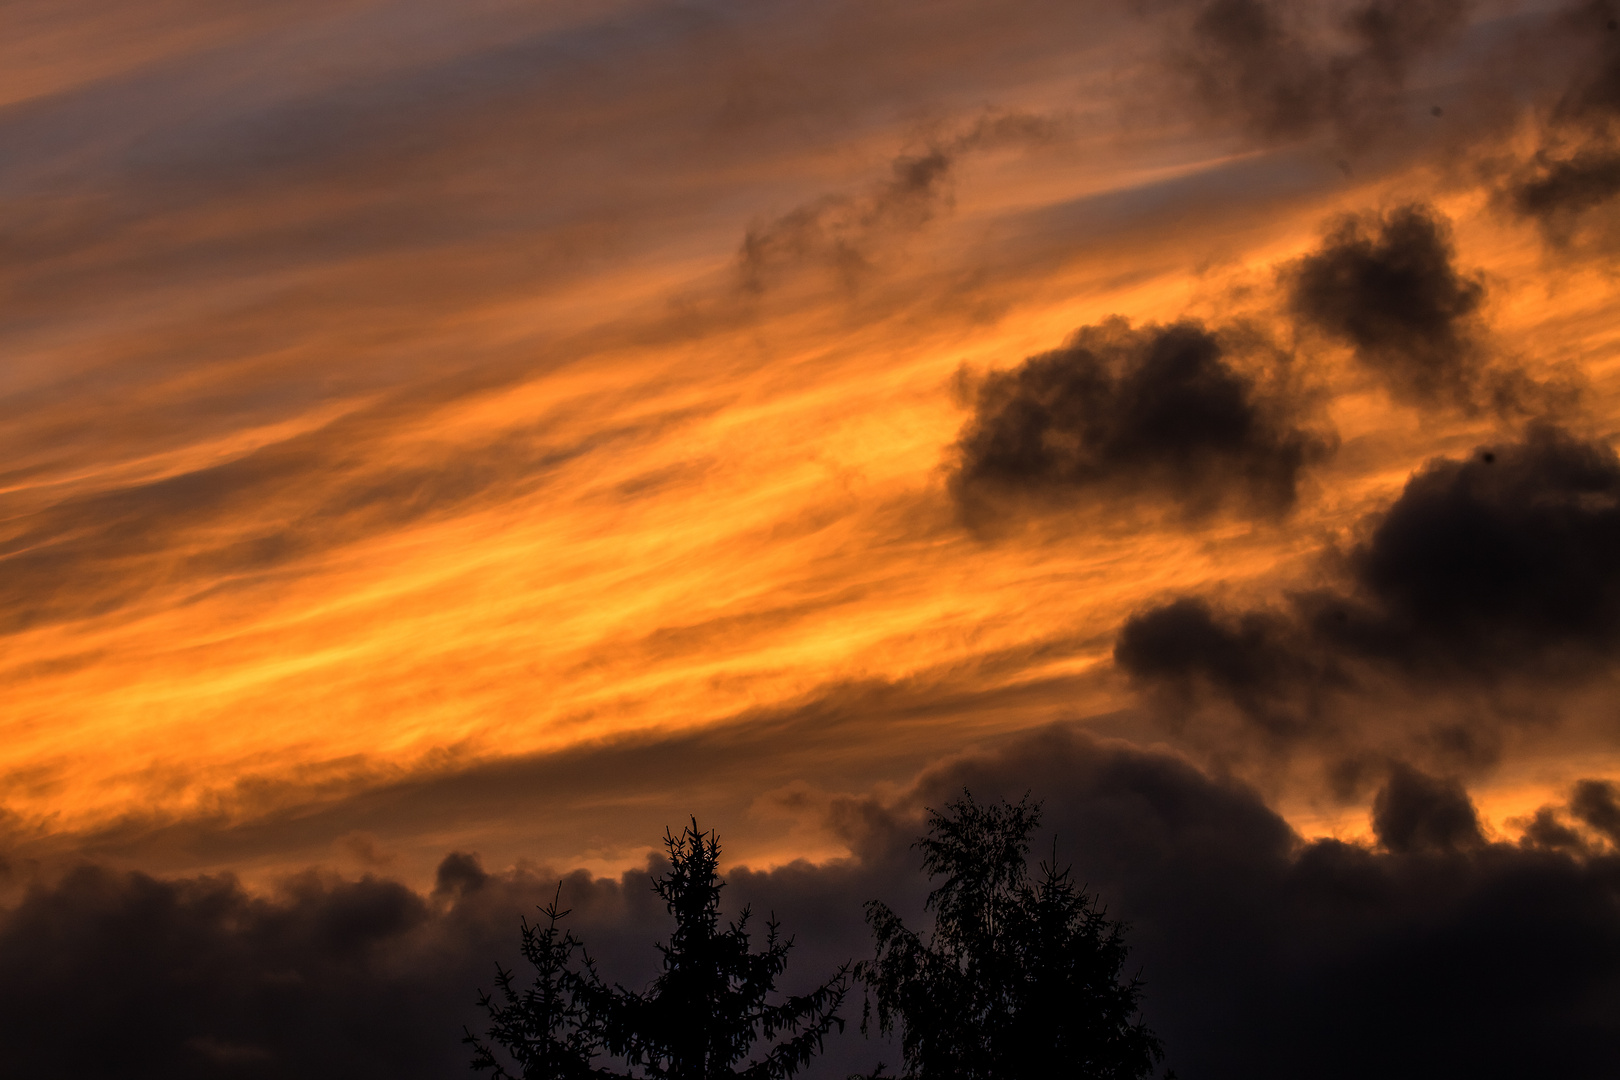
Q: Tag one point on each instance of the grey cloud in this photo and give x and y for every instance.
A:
(125, 975)
(1545, 829)
(1267, 956)
(1487, 571)
(1203, 418)
(1388, 286)
(1416, 812)
(1285, 76)
(1597, 803)
(1263, 955)
(504, 107)
(1588, 821)
(1576, 168)
(1557, 190)
(1373, 74)
(848, 234)
(841, 232)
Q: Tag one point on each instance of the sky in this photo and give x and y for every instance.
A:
(444, 445)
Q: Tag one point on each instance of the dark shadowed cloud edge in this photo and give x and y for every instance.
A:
(1263, 956)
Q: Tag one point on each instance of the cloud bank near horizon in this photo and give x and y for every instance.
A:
(1262, 954)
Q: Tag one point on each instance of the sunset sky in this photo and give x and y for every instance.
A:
(513, 426)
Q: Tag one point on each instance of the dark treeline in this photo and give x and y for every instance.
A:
(1018, 978)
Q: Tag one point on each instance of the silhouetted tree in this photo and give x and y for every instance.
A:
(1019, 978)
(709, 1005)
(551, 1029)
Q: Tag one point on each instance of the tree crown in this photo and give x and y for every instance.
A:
(713, 1001)
(1018, 978)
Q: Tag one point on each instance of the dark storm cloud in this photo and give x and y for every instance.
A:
(1263, 955)
(109, 974)
(1268, 957)
(1577, 167)
(1556, 190)
(124, 975)
(1511, 555)
(1387, 286)
(1253, 658)
(1588, 821)
(1203, 417)
(1287, 77)
(1417, 812)
(1597, 803)
(1498, 567)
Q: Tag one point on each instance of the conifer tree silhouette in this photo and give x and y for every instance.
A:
(709, 1006)
(714, 1000)
(1018, 978)
(551, 1029)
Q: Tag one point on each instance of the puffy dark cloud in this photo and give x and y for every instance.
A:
(1263, 955)
(1285, 76)
(1203, 417)
(1597, 803)
(1500, 567)
(1556, 190)
(1387, 286)
(1253, 658)
(1545, 829)
(1417, 812)
(1511, 555)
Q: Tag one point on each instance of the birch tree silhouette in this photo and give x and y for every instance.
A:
(1018, 978)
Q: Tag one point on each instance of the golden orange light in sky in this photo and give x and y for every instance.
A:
(388, 395)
